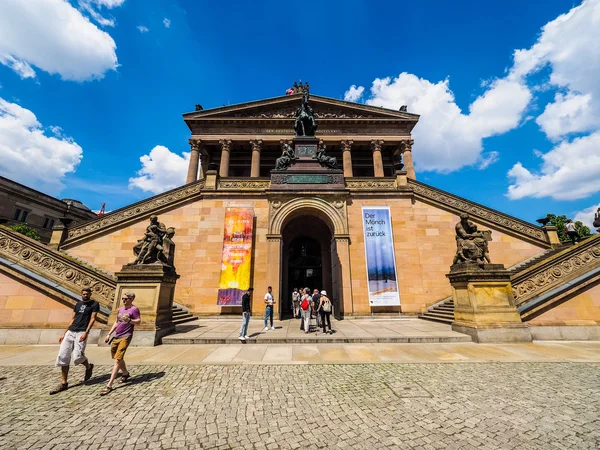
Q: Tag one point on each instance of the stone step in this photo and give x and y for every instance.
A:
(184, 319)
(315, 339)
(437, 319)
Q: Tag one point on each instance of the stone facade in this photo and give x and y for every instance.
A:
(20, 203)
(423, 240)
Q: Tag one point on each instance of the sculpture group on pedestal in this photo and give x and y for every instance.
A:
(157, 246)
(471, 244)
(325, 161)
(305, 124)
(286, 159)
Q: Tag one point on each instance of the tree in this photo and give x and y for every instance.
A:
(560, 223)
(25, 229)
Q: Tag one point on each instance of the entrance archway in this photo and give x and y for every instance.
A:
(306, 258)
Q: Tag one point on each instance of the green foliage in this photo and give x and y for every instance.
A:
(25, 229)
(560, 223)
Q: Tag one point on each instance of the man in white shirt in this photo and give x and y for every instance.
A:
(269, 309)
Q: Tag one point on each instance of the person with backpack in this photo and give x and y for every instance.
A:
(324, 309)
(305, 310)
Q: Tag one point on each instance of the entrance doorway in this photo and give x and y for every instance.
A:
(306, 258)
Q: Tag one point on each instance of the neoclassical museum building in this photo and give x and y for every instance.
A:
(339, 209)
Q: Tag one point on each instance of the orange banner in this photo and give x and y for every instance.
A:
(237, 255)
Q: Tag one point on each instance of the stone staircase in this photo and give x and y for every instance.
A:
(442, 312)
(182, 315)
(568, 261)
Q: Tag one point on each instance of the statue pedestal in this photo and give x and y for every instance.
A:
(484, 307)
(154, 288)
(306, 173)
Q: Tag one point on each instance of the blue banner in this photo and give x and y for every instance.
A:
(381, 261)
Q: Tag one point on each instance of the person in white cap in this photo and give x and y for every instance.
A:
(324, 309)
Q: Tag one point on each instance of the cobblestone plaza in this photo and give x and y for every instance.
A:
(289, 406)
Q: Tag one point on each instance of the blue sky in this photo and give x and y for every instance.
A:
(516, 131)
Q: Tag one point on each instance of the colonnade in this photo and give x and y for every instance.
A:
(199, 158)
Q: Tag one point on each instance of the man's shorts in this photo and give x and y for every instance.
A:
(118, 347)
(71, 346)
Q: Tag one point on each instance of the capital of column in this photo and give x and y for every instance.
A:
(376, 145)
(346, 145)
(256, 145)
(195, 144)
(225, 144)
(406, 146)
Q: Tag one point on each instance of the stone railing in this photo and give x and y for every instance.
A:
(243, 184)
(71, 273)
(136, 211)
(371, 183)
(483, 213)
(556, 270)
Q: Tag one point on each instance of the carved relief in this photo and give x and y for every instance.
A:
(289, 113)
(371, 184)
(546, 277)
(66, 271)
(307, 178)
(479, 211)
(244, 184)
(137, 210)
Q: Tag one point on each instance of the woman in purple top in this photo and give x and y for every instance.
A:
(127, 317)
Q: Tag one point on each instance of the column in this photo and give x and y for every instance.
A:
(377, 161)
(225, 150)
(203, 165)
(342, 244)
(255, 167)
(406, 149)
(192, 174)
(347, 157)
(273, 275)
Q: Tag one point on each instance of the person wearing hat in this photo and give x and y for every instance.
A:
(324, 309)
(246, 298)
(127, 316)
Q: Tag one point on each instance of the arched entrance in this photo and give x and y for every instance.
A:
(306, 258)
(323, 220)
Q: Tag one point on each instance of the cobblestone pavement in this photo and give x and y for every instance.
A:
(365, 406)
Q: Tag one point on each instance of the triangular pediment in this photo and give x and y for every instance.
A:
(285, 108)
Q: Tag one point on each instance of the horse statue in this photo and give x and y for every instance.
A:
(305, 124)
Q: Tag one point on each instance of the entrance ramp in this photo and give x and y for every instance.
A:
(206, 331)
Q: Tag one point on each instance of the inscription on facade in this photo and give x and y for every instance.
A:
(306, 150)
(307, 179)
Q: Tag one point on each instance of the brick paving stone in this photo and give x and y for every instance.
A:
(491, 405)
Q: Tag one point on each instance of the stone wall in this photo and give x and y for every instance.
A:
(199, 245)
(24, 307)
(583, 309)
(424, 243)
(424, 246)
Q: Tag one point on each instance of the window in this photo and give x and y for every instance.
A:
(20, 215)
(48, 223)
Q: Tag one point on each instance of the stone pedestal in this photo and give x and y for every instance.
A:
(306, 173)
(484, 307)
(154, 288)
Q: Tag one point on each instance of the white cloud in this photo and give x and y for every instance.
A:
(569, 171)
(143, 29)
(487, 159)
(31, 157)
(586, 216)
(569, 45)
(167, 23)
(354, 93)
(446, 139)
(54, 37)
(161, 170)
